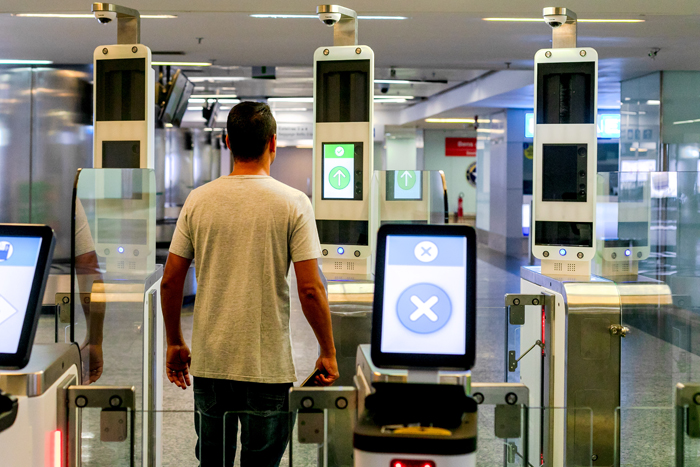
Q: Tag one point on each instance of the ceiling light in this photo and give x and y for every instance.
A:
(653, 102)
(290, 16)
(683, 122)
(10, 61)
(214, 96)
(82, 15)
(539, 20)
(455, 120)
(290, 109)
(393, 97)
(198, 100)
(290, 99)
(181, 63)
(204, 79)
(393, 81)
(390, 101)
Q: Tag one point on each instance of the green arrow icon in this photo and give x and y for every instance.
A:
(407, 179)
(339, 178)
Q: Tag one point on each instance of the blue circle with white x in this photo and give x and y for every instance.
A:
(424, 308)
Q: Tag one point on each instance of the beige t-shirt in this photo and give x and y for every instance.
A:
(243, 231)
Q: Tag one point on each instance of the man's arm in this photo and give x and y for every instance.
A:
(87, 269)
(314, 303)
(178, 355)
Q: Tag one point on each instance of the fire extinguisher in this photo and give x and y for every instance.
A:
(460, 204)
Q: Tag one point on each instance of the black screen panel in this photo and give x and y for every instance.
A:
(336, 232)
(121, 154)
(342, 91)
(564, 233)
(566, 93)
(121, 90)
(122, 231)
(564, 172)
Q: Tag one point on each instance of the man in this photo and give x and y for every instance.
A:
(243, 231)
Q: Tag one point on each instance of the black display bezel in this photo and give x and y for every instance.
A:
(431, 361)
(20, 358)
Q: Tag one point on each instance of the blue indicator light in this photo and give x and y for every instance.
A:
(628, 252)
(120, 249)
(341, 250)
(562, 252)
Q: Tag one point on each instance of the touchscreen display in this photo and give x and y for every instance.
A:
(404, 185)
(342, 171)
(18, 261)
(425, 297)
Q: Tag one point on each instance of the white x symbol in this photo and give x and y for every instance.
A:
(424, 308)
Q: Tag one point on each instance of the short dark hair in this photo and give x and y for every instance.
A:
(250, 127)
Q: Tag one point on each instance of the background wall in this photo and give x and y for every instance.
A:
(293, 167)
(455, 168)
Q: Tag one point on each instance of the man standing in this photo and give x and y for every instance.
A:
(243, 231)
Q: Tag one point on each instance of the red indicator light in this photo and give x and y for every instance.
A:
(411, 463)
(57, 449)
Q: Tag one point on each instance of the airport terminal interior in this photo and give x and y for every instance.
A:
(507, 202)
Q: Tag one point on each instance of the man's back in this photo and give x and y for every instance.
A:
(243, 231)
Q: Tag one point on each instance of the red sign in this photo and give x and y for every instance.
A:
(460, 147)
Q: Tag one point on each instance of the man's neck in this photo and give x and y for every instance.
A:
(250, 168)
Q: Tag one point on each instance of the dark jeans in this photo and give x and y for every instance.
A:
(262, 410)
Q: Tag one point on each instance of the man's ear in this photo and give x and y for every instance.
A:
(273, 144)
(228, 143)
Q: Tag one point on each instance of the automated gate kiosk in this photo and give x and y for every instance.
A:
(564, 329)
(40, 392)
(343, 151)
(424, 320)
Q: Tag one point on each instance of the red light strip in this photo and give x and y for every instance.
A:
(57, 449)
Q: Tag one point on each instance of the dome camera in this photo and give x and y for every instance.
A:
(105, 17)
(555, 21)
(329, 19)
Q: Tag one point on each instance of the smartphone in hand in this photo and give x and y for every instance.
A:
(311, 379)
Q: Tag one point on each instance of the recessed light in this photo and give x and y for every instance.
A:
(455, 120)
(290, 16)
(394, 97)
(393, 81)
(290, 99)
(181, 63)
(653, 102)
(540, 20)
(10, 61)
(203, 79)
(214, 96)
(82, 15)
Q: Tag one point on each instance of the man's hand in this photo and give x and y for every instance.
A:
(177, 365)
(330, 366)
(93, 363)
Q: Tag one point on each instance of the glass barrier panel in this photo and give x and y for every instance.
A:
(646, 436)
(503, 445)
(410, 197)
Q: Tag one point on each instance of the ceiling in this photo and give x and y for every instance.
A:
(445, 40)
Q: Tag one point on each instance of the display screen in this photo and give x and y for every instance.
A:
(182, 105)
(633, 233)
(18, 262)
(564, 233)
(564, 172)
(121, 154)
(424, 309)
(342, 171)
(177, 88)
(337, 232)
(122, 231)
(404, 185)
(120, 92)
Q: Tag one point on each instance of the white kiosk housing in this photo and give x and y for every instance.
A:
(343, 146)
